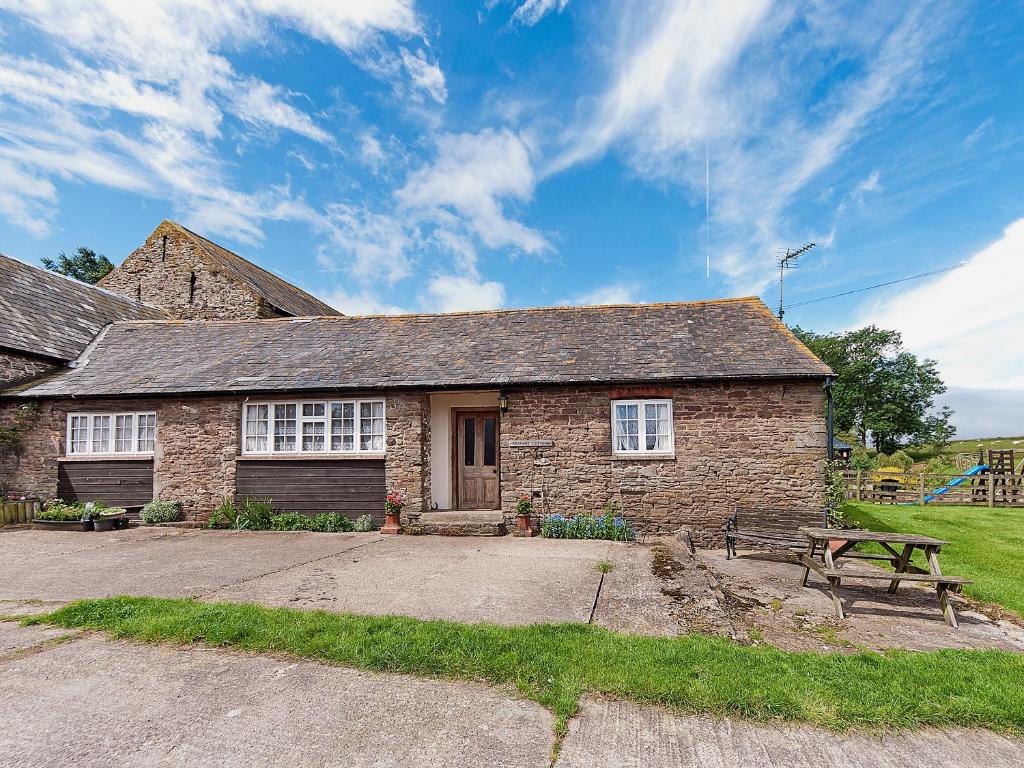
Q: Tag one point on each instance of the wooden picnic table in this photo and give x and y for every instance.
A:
(818, 545)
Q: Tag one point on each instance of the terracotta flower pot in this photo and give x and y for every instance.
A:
(392, 524)
(523, 525)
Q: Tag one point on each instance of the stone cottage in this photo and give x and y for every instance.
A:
(675, 412)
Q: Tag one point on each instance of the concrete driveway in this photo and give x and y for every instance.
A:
(503, 580)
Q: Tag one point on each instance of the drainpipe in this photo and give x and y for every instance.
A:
(828, 417)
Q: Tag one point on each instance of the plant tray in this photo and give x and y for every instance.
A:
(63, 525)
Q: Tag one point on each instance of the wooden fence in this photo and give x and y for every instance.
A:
(15, 512)
(986, 489)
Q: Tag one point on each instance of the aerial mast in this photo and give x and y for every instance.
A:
(788, 261)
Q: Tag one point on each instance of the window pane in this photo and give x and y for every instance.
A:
(371, 426)
(343, 426)
(469, 427)
(257, 428)
(657, 426)
(124, 434)
(146, 432)
(101, 434)
(312, 409)
(489, 447)
(79, 442)
(627, 427)
(313, 436)
(284, 426)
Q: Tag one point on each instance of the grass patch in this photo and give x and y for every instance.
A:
(985, 544)
(554, 664)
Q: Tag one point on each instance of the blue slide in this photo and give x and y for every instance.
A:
(955, 482)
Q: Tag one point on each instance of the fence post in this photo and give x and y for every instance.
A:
(920, 489)
(991, 489)
(859, 472)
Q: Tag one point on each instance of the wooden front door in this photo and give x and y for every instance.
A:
(476, 465)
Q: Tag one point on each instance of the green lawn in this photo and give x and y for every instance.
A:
(555, 664)
(985, 544)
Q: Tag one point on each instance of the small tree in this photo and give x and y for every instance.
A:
(85, 265)
(835, 495)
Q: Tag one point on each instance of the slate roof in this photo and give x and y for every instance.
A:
(286, 297)
(733, 338)
(47, 314)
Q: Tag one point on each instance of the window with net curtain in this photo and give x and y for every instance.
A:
(642, 427)
(322, 426)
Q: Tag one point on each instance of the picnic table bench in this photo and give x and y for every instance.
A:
(769, 530)
(820, 538)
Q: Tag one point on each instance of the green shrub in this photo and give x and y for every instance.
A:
(254, 514)
(161, 512)
(881, 460)
(861, 459)
(364, 524)
(902, 460)
(224, 515)
(326, 522)
(60, 510)
(835, 495)
(585, 526)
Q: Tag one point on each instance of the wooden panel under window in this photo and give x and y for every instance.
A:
(309, 487)
(114, 483)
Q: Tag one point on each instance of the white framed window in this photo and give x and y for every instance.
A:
(317, 426)
(111, 434)
(642, 427)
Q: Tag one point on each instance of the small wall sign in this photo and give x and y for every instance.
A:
(530, 443)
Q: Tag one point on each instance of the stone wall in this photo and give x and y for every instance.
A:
(747, 443)
(167, 271)
(16, 367)
(198, 443)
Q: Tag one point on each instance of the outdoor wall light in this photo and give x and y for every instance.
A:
(503, 402)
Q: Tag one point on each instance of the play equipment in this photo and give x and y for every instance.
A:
(946, 487)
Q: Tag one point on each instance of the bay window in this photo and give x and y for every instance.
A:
(321, 426)
(111, 434)
(642, 427)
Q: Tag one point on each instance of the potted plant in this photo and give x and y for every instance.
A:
(58, 516)
(524, 513)
(106, 518)
(393, 512)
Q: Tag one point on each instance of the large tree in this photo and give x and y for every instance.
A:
(85, 265)
(881, 390)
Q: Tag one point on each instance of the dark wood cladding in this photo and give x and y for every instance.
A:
(115, 483)
(352, 488)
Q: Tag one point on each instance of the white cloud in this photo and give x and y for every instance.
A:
(615, 293)
(263, 104)
(361, 302)
(426, 75)
(452, 293)
(371, 153)
(141, 92)
(374, 245)
(530, 12)
(24, 197)
(689, 76)
(968, 320)
(470, 178)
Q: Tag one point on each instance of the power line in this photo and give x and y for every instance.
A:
(879, 285)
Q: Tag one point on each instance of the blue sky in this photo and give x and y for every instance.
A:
(393, 155)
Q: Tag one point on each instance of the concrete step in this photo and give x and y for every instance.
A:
(456, 523)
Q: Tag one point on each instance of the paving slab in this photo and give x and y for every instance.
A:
(621, 735)
(162, 562)
(503, 580)
(97, 703)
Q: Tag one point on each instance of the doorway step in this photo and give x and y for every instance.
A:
(457, 523)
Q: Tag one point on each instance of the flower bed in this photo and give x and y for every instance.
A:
(609, 527)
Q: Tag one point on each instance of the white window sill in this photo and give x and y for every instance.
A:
(108, 457)
(670, 456)
(309, 456)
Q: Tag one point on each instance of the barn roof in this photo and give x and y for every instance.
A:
(726, 339)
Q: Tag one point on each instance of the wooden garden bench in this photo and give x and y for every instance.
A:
(775, 535)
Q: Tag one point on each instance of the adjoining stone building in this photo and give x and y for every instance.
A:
(47, 320)
(193, 278)
(675, 412)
